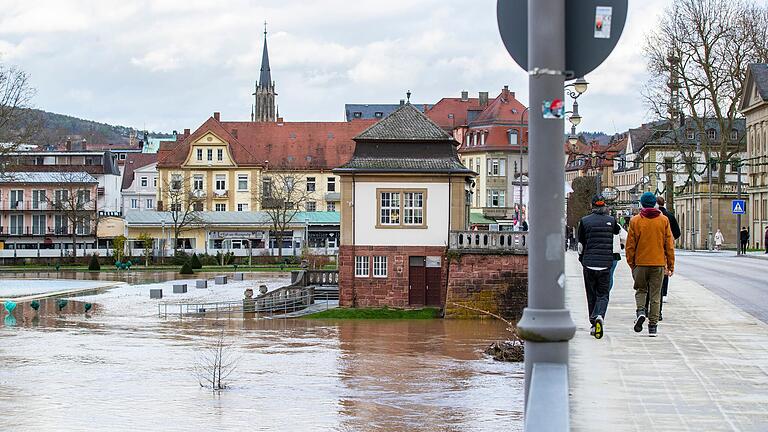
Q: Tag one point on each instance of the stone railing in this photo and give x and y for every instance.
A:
(489, 240)
(314, 277)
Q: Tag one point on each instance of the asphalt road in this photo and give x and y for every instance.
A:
(740, 280)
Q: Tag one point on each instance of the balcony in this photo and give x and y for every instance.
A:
(16, 231)
(333, 196)
(25, 205)
(489, 241)
(220, 194)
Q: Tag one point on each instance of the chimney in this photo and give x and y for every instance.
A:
(505, 93)
(464, 96)
(280, 121)
(483, 96)
(234, 133)
(402, 102)
(217, 115)
(175, 132)
(186, 132)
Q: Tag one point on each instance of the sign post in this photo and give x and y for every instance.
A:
(553, 40)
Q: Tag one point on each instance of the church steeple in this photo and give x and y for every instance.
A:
(264, 107)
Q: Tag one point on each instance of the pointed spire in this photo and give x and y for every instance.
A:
(265, 78)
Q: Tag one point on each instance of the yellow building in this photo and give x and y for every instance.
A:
(228, 166)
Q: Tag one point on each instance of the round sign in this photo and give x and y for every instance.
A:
(610, 193)
(592, 30)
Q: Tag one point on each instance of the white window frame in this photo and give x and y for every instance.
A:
(412, 211)
(209, 153)
(362, 266)
(310, 206)
(150, 203)
(144, 181)
(331, 206)
(242, 207)
(513, 133)
(389, 215)
(331, 184)
(220, 155)
(134, 203)
(198, 182)
(380, 266)
(220, 207)
(220, 182)
(241, 178)
(311, 184)
(39, 224)
(200, 154)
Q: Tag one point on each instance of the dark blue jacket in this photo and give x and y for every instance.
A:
(596, 233)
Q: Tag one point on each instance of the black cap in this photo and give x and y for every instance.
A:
(598, 200)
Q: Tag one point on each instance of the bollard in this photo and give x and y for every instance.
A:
(221, 280)
(179, 288)
(155, 293)
(201, 284)
(238, 276)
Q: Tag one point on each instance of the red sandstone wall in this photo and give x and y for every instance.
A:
(391, 291)
(491, 282)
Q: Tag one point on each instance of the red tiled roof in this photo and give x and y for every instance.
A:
(456, 107)
(133, 162)
(502, 114)
(504, 109)
(287, 145)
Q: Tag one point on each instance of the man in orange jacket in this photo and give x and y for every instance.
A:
(650, 253)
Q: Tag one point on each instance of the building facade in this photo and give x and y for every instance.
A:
(139, 183)
(403, 191)
(43, 210)
(754, 106)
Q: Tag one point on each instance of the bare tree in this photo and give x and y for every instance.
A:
(698, 56)
(281, 197)
(18, 123)
(215, 364)
(75, 203)
(183, 204)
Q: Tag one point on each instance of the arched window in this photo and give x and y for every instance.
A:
(482, 138)
(513, 137)
(734, 135)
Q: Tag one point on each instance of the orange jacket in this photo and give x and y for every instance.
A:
(649, 241)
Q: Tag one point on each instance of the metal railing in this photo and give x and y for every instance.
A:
(279, 302)
(489, 240)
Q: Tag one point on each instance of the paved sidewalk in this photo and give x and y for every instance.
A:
(706, 371)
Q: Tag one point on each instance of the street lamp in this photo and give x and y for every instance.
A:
(162, 242)
(579, 87)
(575, 118)
(573, 138)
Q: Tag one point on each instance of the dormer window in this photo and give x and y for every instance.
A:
(378, 114)
(512, 137)
(474, 139)
(357, 114)
(689, 134)
(482, 138)
(711, 134)
(734, 135)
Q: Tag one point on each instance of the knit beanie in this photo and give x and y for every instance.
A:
(648, 200)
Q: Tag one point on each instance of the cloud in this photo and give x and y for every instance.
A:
(171, 63)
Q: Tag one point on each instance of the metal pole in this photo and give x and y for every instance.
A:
(520, 144)
(546, 325)
(738, 216)
(709, 223)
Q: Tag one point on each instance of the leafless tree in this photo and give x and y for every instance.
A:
(18, 123)
(74, 200)
(281, 197)
(700, 51)
(183, 204)
(215, 364)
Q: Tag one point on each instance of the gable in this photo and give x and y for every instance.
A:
(205, 151)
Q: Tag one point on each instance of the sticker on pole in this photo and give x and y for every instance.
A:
(603, 15)
(554, 109)
(739, 207)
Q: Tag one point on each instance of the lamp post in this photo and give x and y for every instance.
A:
(162, 242)
(520, 144)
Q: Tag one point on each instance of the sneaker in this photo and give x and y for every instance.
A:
(599, 327)
(639, 321)
(652, 330)
(592, 331)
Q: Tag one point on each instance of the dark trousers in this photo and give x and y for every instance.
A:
(744, 248)
(597, 283)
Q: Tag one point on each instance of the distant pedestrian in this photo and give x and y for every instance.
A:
(650, 254)
(744, 240)
(719, 240)
(595, 237)
(524, 226)
(765, 240)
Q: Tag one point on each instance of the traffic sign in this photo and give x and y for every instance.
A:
(739, 207)
(592, 30)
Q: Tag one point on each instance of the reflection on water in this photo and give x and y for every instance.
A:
(132, 277)
(112, 370)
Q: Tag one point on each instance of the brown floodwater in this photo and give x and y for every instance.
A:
(123, 368)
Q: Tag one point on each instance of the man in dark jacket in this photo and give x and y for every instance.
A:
(744, 240)
(675, 227)
(595, 237)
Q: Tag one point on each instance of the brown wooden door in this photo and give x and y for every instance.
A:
(417, 282)
(433, 286)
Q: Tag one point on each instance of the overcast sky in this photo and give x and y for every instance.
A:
(168, 64)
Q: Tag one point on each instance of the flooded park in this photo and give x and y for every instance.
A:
(122, 367)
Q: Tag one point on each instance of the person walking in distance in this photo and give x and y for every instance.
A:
(650, 255)
(743, 240)
(765, 240)
(675, 227)
(719, 239)
(595, 238)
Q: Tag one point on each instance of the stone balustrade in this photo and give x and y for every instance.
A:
(489, 240)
